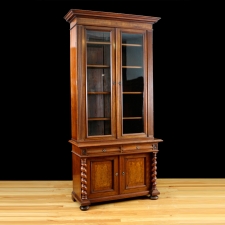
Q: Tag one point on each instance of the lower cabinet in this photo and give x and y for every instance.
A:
(105, 178)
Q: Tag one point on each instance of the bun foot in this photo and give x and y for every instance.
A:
(84, 208)
(154, 197)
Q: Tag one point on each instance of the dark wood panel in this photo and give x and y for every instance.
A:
(149, 85)
(102, 178)
(76, 166)
(73, 79)
(135, 175)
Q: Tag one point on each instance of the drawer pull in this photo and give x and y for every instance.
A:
(104, 150)
(137, 147)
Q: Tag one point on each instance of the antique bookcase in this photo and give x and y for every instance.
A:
(111, 72)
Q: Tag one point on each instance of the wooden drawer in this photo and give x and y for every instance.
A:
(132, 147)
(116, 149)
(102, 149)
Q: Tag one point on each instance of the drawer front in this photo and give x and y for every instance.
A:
(117, 149)
(102, 149)
(132, 147)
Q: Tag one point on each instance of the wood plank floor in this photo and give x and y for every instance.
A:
(182, 201)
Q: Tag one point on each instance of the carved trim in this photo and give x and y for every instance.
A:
(154, 191)
(74, 13)
(83, 179)
(84, 151)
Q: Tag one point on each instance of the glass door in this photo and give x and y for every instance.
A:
(132, 83)
(99, 82)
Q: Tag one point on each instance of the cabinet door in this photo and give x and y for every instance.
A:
(100, 76)
(132, 88)
(135, 173)
(102, 176)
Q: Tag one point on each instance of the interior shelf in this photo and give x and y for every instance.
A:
(132, 118)
(98, 43)
(132, 67)
(98, 118)
(132, 45)
(98, 66)
(132, 93)
(99, 93)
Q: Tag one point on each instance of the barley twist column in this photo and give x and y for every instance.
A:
(154, 191)
(83, 179)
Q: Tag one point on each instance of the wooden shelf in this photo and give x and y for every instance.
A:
(132, 45)
(98, 119)
(132, 93)
(99, 93)
(132, 67)
(132, 118)
(98, 66)
(98, 43)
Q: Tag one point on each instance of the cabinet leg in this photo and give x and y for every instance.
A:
(154, 197)
(83, 179)
(72, 197)
(84, 208)
(84, 185)
(154, 192)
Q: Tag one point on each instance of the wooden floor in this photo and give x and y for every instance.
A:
(182, 201)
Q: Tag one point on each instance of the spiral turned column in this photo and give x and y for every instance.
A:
(83, 179)
(154, 191)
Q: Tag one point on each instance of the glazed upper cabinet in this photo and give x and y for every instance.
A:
(111, 105)
(113, 76)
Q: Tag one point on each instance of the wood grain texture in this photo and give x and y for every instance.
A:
(74, 13)
(109, 19)
(112, 52)
(182, 201)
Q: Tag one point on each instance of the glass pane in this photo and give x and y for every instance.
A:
(98, 54)
(132, 38)
(132, 49)
(133, 126)
(98, 82)
(98, 36)
(99, 114)
(133, 80)
(132, 56)
(99, 128)
(132, 105)
(132, 83)
(99, 106)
